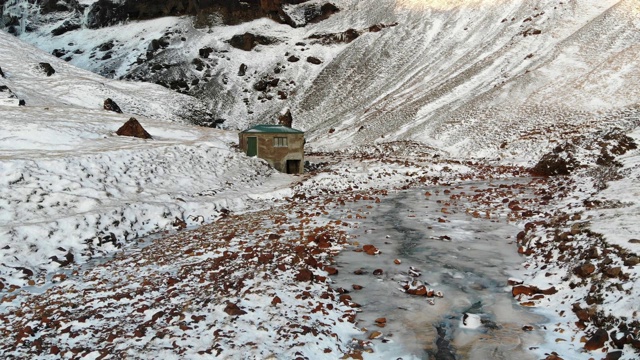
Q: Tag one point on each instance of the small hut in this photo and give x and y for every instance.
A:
(282, 147)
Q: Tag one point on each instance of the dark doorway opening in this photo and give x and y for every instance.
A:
(252, 146)
(293, 166)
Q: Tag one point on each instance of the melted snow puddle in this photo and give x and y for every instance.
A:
(471, 267)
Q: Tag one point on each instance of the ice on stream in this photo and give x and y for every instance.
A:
(468, 259)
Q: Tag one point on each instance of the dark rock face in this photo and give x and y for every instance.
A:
(47, 68)
(108, 12)
(248, 41)
(205, 52)
(111, 105)
(1, 73)
(243, 70)
(286, 119)
(558, 162)
(314, 60)
(133, 128)
(49, 6)
(309, 13)
(68, 25)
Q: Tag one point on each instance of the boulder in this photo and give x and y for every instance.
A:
(68, 25)
(111, 105)
(243, 70)
(285, 118)
(248, 41)
(47, 68)
(205, 52)
(293, 58)
(584, 270)
(133, 128)
(597, 341)
(314, 60)
(233, 310)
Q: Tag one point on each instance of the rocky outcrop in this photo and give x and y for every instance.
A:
(111, 105)
(248, 41)
(68, 25)
(285, 118)
(47, 68)
(133, 128)
(109, 12)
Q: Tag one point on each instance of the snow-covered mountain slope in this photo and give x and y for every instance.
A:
(481, 78)
(70, 185)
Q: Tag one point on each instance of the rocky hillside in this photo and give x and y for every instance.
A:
(470, 78)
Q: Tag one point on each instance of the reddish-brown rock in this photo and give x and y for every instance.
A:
(233, 310)
(597, 341)
(133, 128)
(304, 275)
(585, 270)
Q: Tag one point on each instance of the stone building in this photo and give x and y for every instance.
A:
(282, 147)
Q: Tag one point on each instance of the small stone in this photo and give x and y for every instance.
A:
(357, 287)
(233, 310)
(375, 335)
(397, 261)
(585, 270)
(378, 272)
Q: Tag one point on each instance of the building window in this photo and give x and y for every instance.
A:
(280, 142)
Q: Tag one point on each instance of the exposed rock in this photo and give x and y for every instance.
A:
(261, 85)
(248, 41)
(205, 52)
(378, 272)
(1, 73)
(106, 46)
(304, 275)
(293, 58)
(243, 70)
(133, 128)
(597, 341)
(336, 38)
(59, 52)
(68, 25)
(111, 105)
(558, 162)
(613, 272)
(233, 310)
(285, 118)
(305, 14)
(47, 68)
(314, 60)
(613, 355)
(585, 270)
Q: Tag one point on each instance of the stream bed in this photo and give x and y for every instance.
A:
(469, 259)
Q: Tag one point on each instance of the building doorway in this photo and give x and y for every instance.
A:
(252, 146)
(293, 166)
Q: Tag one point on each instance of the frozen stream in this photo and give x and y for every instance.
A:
(469, 259)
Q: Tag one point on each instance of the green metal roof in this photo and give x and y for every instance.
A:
(272, 129)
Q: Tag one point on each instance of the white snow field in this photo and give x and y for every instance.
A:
(67, 180)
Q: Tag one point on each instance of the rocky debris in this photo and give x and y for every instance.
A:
(597, 340)
(307, 13)
(205, 52)
(248, 41)
(111, 105)
(558, 162)
(59, 52)
(585, 270)
(242, 70)
(530, 32)
(47, 68)
(133, 128)
(67, 25)
(234, 310)
(314, 60)
(285, 118)
(346, 36)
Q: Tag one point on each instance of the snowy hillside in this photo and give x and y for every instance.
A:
(70, 187)
(475, 78)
